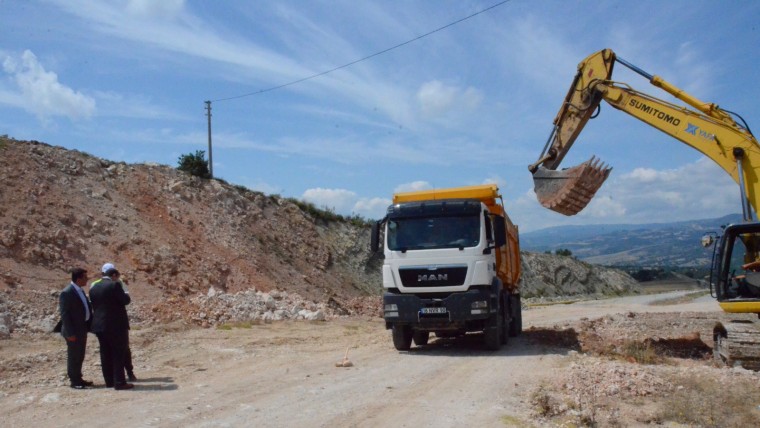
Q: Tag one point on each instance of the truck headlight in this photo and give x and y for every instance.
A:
(391, 310)
(479, 307)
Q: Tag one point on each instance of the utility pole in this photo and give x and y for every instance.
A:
(210, 163)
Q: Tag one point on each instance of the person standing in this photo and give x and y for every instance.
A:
(116, 277)
(111, 325)
(76, 316)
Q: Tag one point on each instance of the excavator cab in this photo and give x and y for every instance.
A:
(735, 276)
(735, 282)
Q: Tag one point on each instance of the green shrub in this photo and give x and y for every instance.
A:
(194, 164)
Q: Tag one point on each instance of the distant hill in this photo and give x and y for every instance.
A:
(655, 244)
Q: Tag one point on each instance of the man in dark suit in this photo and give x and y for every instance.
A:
(116, 277)
(76, 315)
(111, 325)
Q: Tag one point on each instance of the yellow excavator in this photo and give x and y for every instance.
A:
(705, 127)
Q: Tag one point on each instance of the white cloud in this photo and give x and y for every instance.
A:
(437, 99)
(696, 190)
(412, 187)
(241, 58)
(158, 9)
(264, 187)
(42, 93)
(644, 175)
(372, 208)
(339, 200)
(603, 206)
(133, 106)
(533, 42)
(346, 202)
(497, 180)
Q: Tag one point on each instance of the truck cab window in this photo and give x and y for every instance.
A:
(433, 233)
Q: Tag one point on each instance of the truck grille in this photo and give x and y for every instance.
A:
(424, 276)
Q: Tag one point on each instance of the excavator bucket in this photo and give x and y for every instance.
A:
(569, 191)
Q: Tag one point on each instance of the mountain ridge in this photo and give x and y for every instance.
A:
(651, 244)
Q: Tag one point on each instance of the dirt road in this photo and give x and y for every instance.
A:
(284, 374)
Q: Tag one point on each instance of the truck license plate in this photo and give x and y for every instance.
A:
(433, 310)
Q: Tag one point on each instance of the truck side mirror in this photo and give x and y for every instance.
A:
(500, 231)
(374, 240)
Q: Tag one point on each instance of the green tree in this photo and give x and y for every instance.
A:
(563, 252)
(194, 164)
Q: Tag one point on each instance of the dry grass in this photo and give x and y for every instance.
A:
(696, 399)
(642, 353)
(513, 421)
(543, 403)
(707, 402)
(238, 324)
(573, 411)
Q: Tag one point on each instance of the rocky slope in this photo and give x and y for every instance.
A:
(192, 249)
(551, 276)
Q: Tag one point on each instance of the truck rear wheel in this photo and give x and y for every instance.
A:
(421, 337)
(402, 337)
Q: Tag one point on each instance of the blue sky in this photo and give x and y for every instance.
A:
(126, 80)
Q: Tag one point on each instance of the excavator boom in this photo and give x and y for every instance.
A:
(705, 127)
(568, 191)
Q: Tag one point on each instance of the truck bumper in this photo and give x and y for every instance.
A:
(456, 311)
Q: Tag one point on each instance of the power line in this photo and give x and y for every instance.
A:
(366, 57)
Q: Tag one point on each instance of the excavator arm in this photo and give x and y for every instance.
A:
(730, 146)
(704, 126)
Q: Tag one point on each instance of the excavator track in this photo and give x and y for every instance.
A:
(737, 344)
(568, 191)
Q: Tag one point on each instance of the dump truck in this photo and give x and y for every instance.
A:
(451, 266)
(721, 135)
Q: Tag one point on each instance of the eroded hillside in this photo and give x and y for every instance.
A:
(183, 242)
(171, 234)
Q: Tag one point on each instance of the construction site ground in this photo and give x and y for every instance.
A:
(629, 361)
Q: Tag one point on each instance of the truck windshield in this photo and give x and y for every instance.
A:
(422, 233)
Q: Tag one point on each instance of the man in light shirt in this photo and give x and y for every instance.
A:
(76, 316)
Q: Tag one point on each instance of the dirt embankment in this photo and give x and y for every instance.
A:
(200, 251)
(175, 237)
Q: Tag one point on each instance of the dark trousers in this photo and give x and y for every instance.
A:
(75, 358)
(113, 354)
(128, 361)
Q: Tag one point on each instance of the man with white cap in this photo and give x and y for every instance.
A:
(113, 324)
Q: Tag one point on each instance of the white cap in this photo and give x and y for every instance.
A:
(107, 266)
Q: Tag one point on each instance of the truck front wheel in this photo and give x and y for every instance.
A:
(402, 337)
(493, 331)
(421, 337)
(515, 307)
